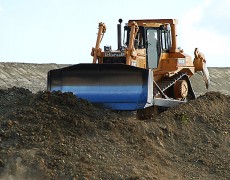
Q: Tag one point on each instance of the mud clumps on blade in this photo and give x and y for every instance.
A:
(60, 136)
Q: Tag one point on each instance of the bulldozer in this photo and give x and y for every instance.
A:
(148, 70)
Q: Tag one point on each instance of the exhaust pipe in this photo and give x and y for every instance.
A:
(119, 34)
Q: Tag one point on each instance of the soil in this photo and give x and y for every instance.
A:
(59, 136)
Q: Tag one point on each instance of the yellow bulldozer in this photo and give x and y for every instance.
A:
(148, 70)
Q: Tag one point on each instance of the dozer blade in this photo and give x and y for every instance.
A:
(115, 86)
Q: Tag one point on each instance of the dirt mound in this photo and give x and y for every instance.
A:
(58, 136)
(199, 136)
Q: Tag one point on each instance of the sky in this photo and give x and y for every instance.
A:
(64, 31)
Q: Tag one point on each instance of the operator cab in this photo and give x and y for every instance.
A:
(151, 40)
(155, 40)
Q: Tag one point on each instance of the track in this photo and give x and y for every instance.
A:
(164, 85)
(168, 82)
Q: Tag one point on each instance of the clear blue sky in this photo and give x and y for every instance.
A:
(64, 31)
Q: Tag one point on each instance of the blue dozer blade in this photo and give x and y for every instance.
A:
(114, 86)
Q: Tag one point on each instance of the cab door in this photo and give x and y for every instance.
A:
(152, 48)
